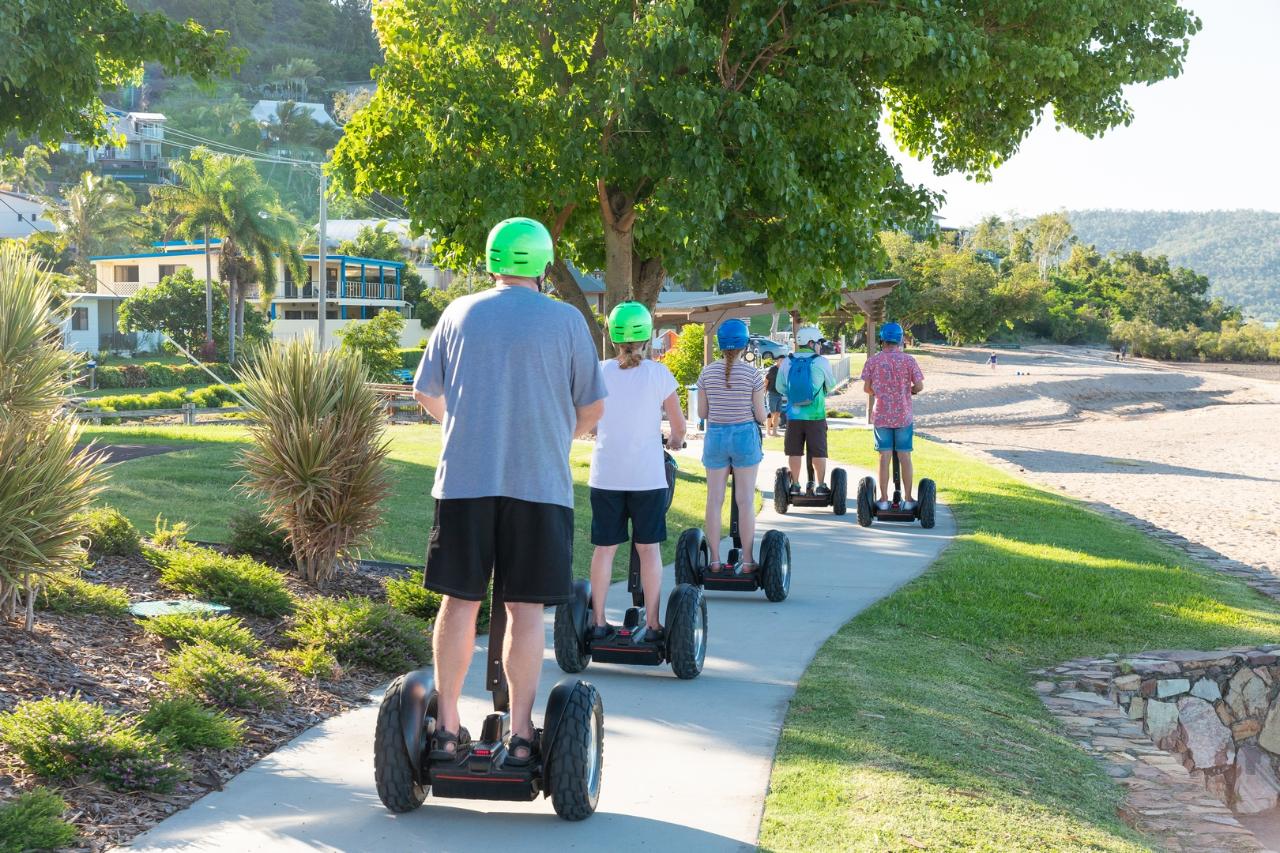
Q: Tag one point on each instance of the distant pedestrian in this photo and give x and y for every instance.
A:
(991, 362)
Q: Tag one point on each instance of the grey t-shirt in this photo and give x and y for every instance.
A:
(512, 366)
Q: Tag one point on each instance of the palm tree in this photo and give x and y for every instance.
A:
(26, 173)
(295, 76)
(97, 215)
(223, 196)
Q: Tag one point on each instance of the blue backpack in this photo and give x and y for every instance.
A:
(800, 390)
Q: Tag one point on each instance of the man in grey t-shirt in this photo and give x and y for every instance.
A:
(512, 376)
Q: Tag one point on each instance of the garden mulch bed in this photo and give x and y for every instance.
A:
(112, 661)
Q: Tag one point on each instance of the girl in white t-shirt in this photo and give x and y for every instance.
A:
(628, 472)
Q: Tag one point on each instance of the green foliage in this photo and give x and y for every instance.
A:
(98, 215)
(225, 678)
(238, 582)
(180, 722)
(110, 533)
(311, 661)
(155, 374)
(254, 535)
(33, 821)
(175, 306)
(725, 132)
(408, 595)
(73, 594)
(684, 359)
(63, 738)
(183, 629)
(358, 630)
(1233, 341)
(377, 341)
(170, 536)
(64, 55)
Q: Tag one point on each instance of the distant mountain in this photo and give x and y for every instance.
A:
(1239, 250)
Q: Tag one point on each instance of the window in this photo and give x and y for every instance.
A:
(331, 312)
(79, 319)
(126, 274)
(292, 315)
(309, 315)
(167, 270)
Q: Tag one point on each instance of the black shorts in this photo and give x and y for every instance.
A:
(800, 433)
(610, 511)
(527, 546)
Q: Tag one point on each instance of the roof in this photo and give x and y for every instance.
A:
(374, 261)
(708, 307)
(160, 244)
(589, 283)
(148, 116)
(265, 111)
(200, 251)
(23, 197)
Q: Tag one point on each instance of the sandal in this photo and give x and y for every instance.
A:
(747, 568)
(443, 739)
(715, 567)
(530, 747)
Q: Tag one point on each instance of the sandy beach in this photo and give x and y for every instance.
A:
(1191, 449)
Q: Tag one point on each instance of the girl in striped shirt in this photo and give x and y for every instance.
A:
(731, 401)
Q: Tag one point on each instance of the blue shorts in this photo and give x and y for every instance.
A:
(732, 444)
(889, 438)
(774, 402)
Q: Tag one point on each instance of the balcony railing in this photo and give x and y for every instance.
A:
(351, 290)
(129, 288)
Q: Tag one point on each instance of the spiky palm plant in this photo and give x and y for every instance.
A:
(45, 482)
(318, 458)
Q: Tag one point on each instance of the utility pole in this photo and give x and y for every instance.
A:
(208, 289)
(321, 308)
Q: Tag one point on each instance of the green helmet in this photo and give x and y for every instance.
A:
(630, 322)
(519, 246)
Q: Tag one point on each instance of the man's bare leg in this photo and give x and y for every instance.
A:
(453, 642)
(793, 463)
(601, 577)
(820, 470)
(885, 457)
(522, 661)
(904, 461)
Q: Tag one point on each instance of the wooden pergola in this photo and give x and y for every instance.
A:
(712, 309)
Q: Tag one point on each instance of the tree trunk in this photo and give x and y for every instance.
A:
(241, 299)
(647, 278)
(567, 287)
(231, 320)
(617, 213)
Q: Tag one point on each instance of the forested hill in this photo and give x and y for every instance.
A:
(1239, 250)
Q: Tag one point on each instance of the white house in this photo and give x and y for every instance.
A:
(418, 248)
(358, 289)
(266, 112)
(140, 158)
(22, 214)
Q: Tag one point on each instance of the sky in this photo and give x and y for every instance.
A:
(1208, 139)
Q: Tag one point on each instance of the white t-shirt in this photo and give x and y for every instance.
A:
(628, 452)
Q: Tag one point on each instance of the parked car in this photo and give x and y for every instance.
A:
(762, 346)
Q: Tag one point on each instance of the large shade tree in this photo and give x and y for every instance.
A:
(60, 55)
(222, 196)
(744, 133)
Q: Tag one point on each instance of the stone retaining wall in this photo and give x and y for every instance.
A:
(1216, 711)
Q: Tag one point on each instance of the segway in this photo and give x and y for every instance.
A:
(836, 497)
(568, 755)
(773, 571)
(683, 643)
(923, 510)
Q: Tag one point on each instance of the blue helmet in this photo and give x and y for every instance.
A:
(891, 333)
(733, 334)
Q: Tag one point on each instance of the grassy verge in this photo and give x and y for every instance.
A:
(115, 392)
(197, 483)
(916, 726)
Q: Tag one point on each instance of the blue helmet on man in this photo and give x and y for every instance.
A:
(891, 333)
(733, 334)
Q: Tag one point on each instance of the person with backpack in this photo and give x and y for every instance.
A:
(773, 398)
(806, 381)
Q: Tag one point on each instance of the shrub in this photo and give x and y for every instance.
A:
(170, 536)
(408, 595)
(63, 738)
(318, 457)
(73, 594)
(311, 661)
(222, 677)
(181, 722)
(183, 629)
(359, 630)
(33, 821)
(110, 533)
(239, 582)
(253, 534)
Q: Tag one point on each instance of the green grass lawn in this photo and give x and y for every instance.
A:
(916, 726)
(198, 485)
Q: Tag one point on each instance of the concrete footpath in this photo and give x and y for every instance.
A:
(687, 763)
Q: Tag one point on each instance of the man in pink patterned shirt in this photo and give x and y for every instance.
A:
(892, 377)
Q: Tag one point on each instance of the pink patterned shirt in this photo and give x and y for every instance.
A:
(891, 375)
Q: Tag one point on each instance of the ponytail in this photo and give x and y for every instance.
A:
(630, 354)
(730, 356)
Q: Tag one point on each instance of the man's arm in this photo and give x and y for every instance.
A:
(588, 416)
(917, 387)
(433, 405)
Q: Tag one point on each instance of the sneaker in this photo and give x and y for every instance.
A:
(823, 491)
(652, 635)
(600, 632)
(907, 506)
(795, 488)
(882, 505)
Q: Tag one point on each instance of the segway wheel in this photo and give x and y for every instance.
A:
(571, 639)
(866, 501)
(692, 557)
(575, 761)
(398, 786)
(687, 631)
(775, 563)
(781, 488)
(839, 491)
(928, 497)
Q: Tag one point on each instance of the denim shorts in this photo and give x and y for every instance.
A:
(890, 438)
(732, 444)
(773, 402)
